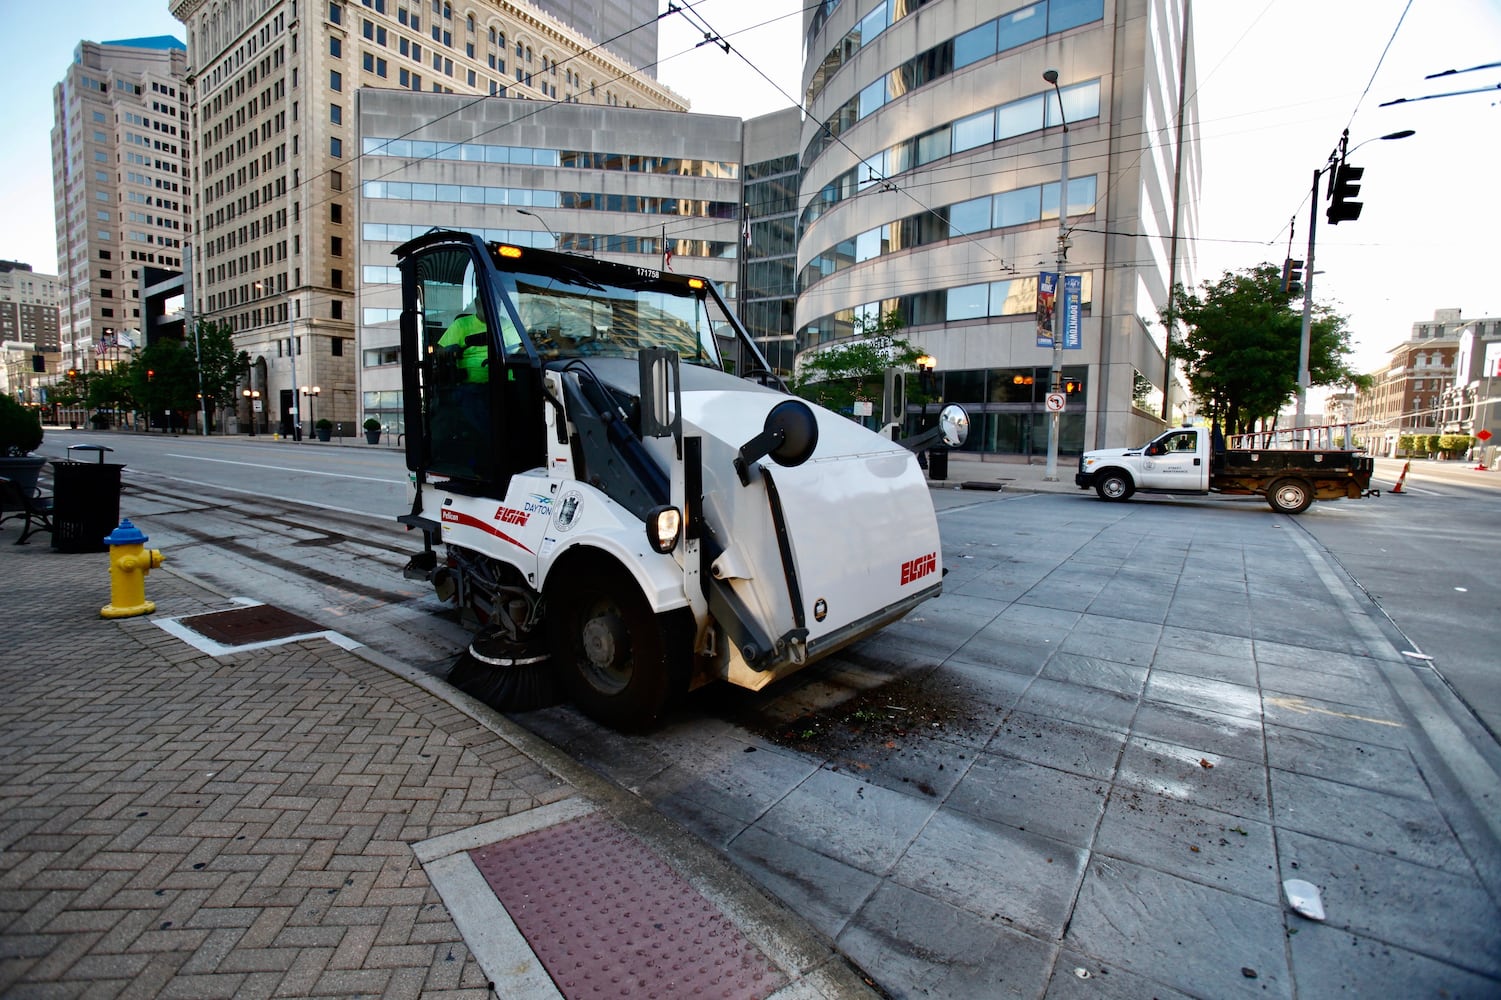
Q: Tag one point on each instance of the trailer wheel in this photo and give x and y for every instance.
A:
(1289, 496)
(609, 646)
(1113, 484)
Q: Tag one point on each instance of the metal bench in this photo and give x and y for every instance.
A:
(35, 510)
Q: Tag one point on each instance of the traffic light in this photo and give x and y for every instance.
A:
(1342, 193)
(1292, 277)
(72, 374)
(150, 374)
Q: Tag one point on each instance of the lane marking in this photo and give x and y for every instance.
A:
(286, 468)
(262, 495)
(1299, 705)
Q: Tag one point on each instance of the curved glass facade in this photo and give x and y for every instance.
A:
(954, 216)
(1009, 31)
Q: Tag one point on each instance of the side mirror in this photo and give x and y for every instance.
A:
(953, 421)
(789, 436)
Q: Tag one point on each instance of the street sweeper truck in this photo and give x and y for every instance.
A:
(623, 500)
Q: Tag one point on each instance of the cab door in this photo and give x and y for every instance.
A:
(1172, 462)
(473, 413)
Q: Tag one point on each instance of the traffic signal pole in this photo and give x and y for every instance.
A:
(1301, 420)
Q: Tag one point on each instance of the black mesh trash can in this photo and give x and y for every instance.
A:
(85, 501)
(938, 463)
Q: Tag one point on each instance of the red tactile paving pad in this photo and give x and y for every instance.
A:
(607, 918)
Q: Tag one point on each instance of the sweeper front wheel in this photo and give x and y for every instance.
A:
(610, 650)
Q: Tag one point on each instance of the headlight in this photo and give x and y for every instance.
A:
(662, 527)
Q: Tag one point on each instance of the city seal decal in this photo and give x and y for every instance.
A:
(568, 510)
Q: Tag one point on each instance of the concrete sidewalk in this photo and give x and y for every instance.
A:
(299, 817)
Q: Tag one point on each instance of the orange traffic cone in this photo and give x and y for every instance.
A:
(1402, 478)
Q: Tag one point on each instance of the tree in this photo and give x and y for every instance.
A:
(836, 377)
(110, 390)
(1241, 350)
(164, 377)
(220, 364)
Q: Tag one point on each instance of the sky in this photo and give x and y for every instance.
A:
(1278, 81)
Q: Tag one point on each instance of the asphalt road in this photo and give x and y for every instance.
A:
(1027, 781)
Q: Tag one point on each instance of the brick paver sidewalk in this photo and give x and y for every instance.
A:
(177, 825)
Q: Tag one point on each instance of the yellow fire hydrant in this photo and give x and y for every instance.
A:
(129, 563)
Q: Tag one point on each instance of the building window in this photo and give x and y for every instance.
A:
(336, 13)
(336, 246)
(335, 80)
(335, 146)
(336, 278)
(336, 311)
(336, 114)
(336, 48)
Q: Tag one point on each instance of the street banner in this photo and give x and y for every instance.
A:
(1073, 292)
(1047, 285)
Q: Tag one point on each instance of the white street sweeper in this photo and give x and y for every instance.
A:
(623, 499)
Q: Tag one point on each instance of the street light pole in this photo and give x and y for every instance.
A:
(292, 332)
(1060, 317)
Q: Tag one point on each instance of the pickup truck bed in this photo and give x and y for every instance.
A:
(1333, 475)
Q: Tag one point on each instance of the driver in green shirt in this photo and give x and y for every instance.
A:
(472, 360)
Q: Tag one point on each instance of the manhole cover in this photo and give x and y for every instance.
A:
(243, 626)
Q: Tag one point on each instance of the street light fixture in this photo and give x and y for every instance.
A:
(312, 391)
(1301, 419)
(1050, 474)
(556, 240)
(253, 397)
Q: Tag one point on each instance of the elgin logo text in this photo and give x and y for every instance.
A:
(510, 515)
(916, 569)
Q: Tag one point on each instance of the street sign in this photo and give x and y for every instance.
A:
(1055, 402)
(1484, 435)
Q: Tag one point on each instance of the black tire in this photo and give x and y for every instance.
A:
(1113, 484)
(1290, 496)
(609, 648)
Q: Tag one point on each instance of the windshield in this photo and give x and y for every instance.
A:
(569, 315)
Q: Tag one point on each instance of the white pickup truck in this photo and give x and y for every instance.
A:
(1184, 461)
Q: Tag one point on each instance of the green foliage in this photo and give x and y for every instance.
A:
(164, 377)
(222, 366)
(323, 424)
(110, 389)
(1432, 444)
(837, 377)
(68, 391)
(20, 428)
(1241, 350)
(1455, 445)
(371, 424)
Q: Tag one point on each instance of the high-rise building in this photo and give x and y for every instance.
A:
(28, 328)
(628, 28)
(273, 89)
(29, 306)
(932, 158)
(768, 286)
(649, 188)
(120, 183)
